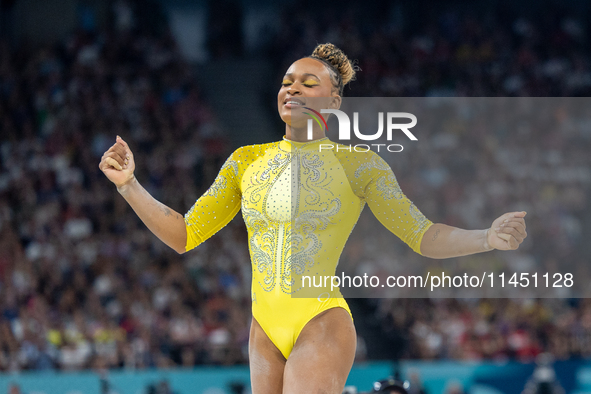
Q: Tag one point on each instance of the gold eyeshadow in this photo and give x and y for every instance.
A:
(307, 82)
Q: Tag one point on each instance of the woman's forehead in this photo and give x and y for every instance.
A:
(308, 65)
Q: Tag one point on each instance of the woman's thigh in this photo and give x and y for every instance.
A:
(267, 364)
(322, 356)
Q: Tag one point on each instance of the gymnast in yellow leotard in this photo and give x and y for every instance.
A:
(300, 204)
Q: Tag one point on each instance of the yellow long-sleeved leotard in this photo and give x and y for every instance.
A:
(300, 203)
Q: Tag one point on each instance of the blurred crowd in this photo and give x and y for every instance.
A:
(433, 49)
(83, 283)
(489, 329)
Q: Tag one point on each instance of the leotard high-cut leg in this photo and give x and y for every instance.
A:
(300, 201)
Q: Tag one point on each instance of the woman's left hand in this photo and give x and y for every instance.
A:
(507, 232)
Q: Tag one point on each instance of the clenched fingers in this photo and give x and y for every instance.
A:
(515, 227)
(113, 163)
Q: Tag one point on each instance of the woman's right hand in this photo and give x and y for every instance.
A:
(117, 163)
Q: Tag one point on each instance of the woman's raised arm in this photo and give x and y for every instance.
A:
(118, 165)
(436, 240)
(507, 232)
(210, 213)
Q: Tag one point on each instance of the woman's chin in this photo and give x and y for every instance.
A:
(294, 122)
(297, 125)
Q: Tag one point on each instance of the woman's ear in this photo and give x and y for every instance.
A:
(335, 103)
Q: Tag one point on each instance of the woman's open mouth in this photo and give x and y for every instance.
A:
(293, 103)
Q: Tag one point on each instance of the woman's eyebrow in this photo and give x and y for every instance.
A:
(304, 74)
(311, 75)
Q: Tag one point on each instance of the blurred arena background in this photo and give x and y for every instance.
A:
(91, 302)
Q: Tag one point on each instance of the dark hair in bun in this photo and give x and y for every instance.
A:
(341, 69)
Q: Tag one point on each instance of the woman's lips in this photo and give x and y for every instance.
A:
(293, 103)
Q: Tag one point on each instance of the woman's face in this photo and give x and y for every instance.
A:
(306, 83)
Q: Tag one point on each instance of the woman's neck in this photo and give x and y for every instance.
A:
(301, 135)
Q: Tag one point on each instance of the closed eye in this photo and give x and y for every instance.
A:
(308, 83)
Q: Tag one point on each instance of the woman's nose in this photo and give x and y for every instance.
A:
(293, 89)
